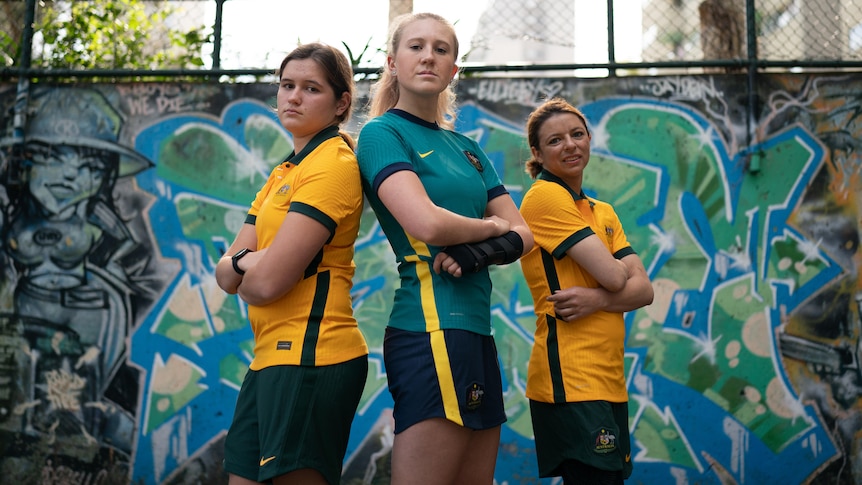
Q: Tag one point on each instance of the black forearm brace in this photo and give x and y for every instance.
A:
(472, 257)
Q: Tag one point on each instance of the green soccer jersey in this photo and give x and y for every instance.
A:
(457, 176)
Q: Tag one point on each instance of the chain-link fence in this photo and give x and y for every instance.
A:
(191, 38)
(784, 30)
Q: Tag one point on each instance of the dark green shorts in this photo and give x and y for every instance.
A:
(292, 417)
(593, 432)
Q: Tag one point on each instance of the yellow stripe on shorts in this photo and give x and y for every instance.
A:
(432, 326)
(444, 375)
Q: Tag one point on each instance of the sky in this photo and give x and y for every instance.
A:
(258, 33)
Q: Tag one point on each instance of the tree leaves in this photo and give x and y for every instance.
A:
(114, 34)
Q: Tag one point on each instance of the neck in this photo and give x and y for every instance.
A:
(575, 183)
(424, 108)
(299, 143)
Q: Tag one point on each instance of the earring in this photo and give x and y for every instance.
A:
(394, 72)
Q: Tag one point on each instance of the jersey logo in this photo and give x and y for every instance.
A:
(284, 345)
(283, 189)
(264, 461)
(474, 160)
(605, 442)
(423, 155)
(475, 393)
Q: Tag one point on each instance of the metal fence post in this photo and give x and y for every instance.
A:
(217, 28)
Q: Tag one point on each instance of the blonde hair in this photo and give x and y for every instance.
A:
(385, 93)
(538, 118)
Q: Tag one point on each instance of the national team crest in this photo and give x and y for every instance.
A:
(474, 160)
(475, 393)
(283, 190)
(605, 442)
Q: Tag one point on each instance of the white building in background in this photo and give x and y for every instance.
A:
(556, 32)
(522, 32)
(575, 31)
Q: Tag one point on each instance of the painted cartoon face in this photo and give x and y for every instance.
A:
(60, 176)
(564, 147)
(306, 101)
(425, 59)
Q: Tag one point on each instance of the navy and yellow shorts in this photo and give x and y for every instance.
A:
(595, 433)
(292, 417)
(450, 374)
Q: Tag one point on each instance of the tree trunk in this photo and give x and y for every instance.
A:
(399, 7)
(722, 31)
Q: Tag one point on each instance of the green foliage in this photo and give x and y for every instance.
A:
(113, 34)
(356, 60)
(11, 21)
(8, 49)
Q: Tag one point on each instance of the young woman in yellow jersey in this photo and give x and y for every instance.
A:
(292, 263)
(583, 275)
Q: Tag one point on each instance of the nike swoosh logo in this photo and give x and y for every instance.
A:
(423, 155)
(628, 458)
(264, 461)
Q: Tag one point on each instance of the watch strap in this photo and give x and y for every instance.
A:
(234, 260)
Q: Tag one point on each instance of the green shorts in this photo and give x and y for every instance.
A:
(593, 432)
(292, 417)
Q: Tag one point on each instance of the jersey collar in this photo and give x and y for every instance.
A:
(413, 118)
(549, 177)
(320, 137)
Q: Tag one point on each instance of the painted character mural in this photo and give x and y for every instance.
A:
(67, 397)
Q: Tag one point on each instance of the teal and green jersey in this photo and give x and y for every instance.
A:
(457, 176)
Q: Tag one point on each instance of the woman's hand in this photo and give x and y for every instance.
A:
(501, 226)
(444, 262)
(577, 302)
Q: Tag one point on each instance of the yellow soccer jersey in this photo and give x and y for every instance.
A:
(313, 323)
(580, 360)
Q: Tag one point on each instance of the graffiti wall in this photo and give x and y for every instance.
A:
(121, 359)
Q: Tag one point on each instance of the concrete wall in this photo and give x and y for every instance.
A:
(120, 358)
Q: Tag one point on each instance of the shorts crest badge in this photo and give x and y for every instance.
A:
(605, 442)
(475, 393)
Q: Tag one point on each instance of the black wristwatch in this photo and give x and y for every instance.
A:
(235, 258)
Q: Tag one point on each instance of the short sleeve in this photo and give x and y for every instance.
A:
(494, 185)
(553, 218)
(380, 152)
(620, 246)
(314, 194)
